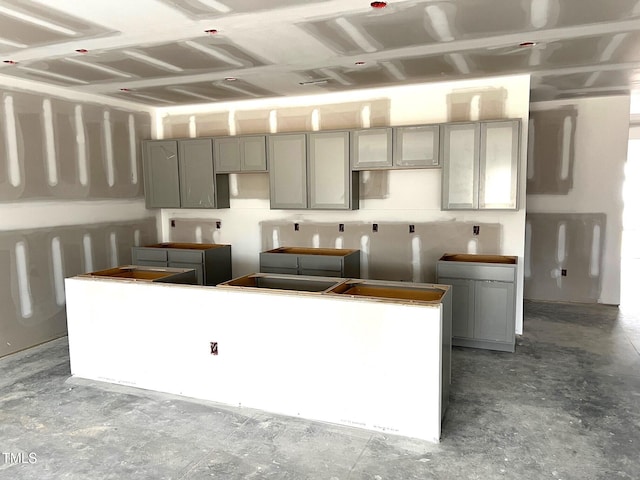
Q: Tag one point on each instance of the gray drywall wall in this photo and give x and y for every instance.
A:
(69, 170)
(563, 261)
(55, 148)
(34, 263)
(575, 177)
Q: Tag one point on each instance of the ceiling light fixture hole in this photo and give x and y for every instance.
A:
(211, 31)
(378, 4)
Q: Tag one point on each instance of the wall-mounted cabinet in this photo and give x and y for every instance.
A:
(416, 146)
(480, 165)
(161, 179)
(180, 174)
(241, 154)
(371, 148)
(395, 148)
(332, 185)
(288, 170)
(311, 171)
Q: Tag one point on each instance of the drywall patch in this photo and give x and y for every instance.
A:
(393, 252)
(350, 115)
(252, 185)
(552, 136)
(194, 230)
(374, 184)
(477, 104)
(252, 121)
(573, 243)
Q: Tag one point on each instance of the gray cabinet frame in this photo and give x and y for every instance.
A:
(288, 171)
(240, 154)
(316, 165)
(484, 302)
(430, 157)
(181, 174)
(161, 178)
(466, 168)
(294, 261)
(359, 137)
(212, 265)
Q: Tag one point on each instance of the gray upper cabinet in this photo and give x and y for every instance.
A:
(500, 143)
(416, 146)
(241, 154)
(288, 171)
(197, 186)
(461, 154)
(371, 148)
(161, 179)
(180, 174)
(480, 165)
(330, 178)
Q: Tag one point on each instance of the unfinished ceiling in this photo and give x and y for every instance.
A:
(174, 52)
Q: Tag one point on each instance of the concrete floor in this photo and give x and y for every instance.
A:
(565, 406)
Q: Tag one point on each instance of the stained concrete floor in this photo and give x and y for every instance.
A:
(565, 406)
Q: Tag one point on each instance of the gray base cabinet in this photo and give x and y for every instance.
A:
(484, 299)
(324, 262)
(211, 262)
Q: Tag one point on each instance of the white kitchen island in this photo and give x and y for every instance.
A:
(347, 358)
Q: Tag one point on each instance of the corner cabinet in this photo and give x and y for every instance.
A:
(480, 165)
(311, 171)
(484, 299)
(241, 154)
(180, 174)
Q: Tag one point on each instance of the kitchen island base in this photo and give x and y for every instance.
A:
(359, 362)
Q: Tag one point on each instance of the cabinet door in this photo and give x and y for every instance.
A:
(288, 171)
(499, 158)
(461, 153)
(198, 267)
(462, 306)
(371, 148)
(416, 146)
(227, 154)
(197, 188)
(329, 172)
(253, 154)
(161, 180)
(494, 311)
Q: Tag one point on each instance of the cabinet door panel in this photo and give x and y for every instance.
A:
(197, 188)
(461, 149)
(416, 146)
(499, 165)
(196, 266)
(329, 179)
(371, 148)
(288, 171)
(253, 154)
(227, 155)
(462, 306)
(161, 180)
(494, 311)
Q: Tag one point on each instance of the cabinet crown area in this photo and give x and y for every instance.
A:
(320, 170)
